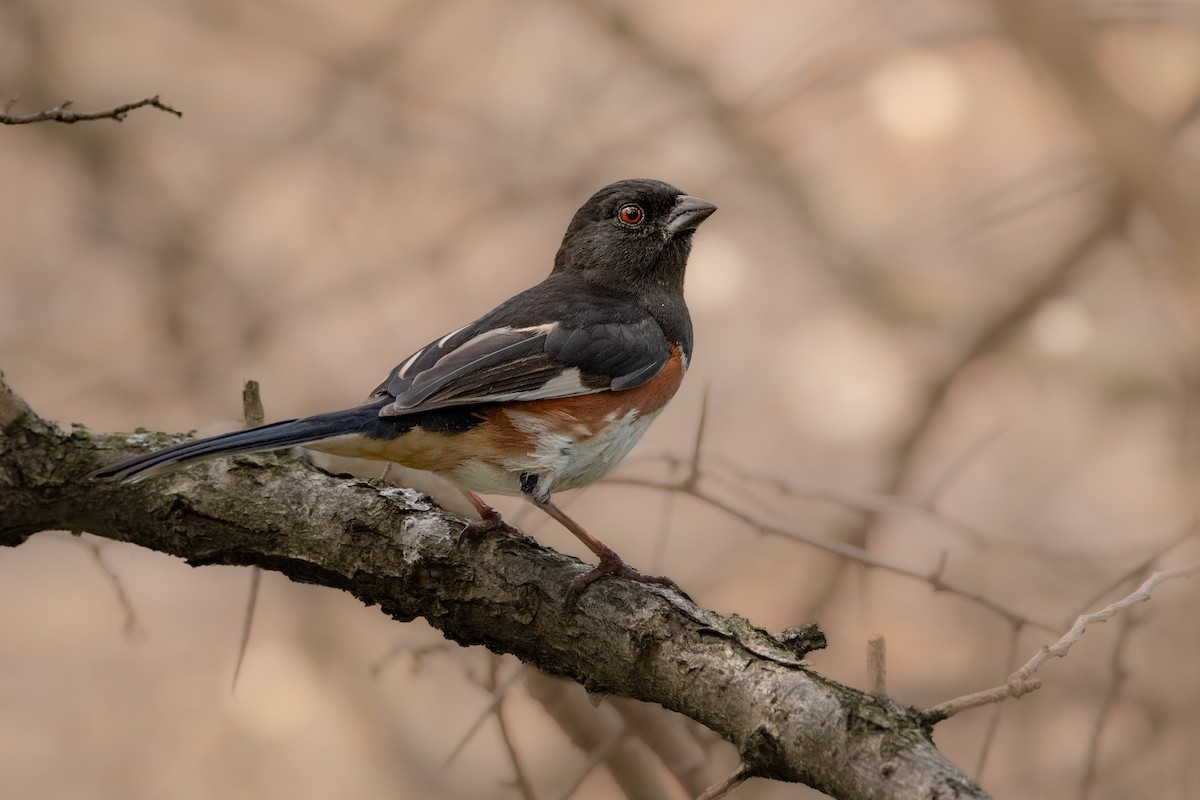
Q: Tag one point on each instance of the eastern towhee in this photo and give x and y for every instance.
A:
(547, 391)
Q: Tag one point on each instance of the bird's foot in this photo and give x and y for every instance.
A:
(489, 520)
(615, 566)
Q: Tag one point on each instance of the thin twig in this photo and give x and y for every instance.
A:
(878, 503)
(728, 784)
(989, 736)
(63, 113)
(130, 627)
(960, 464)
(401, 649)
(498, 692)
(1136, 151)
(877, 665)
(247, 623)
(1141, 566)
(693, 474)
(1023, 681)
(252, 405)
(521, 778)
(858, 555)
(673, 739)
(1054, 280)
(596, 756)
(1087, 782)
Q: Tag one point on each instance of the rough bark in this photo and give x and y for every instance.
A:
(395, 549)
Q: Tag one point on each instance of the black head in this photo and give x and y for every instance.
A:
(632, 233)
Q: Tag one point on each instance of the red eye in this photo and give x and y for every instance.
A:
(630, 214)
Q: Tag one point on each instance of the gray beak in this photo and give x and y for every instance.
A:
(688, 213)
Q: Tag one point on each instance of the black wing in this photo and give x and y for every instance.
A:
(527, 350)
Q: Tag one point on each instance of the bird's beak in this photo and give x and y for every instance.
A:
(688, 213)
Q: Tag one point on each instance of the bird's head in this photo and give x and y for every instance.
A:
(633, 233)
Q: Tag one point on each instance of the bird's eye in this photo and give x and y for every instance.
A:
(630, 214)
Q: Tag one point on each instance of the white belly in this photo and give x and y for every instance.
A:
(561, 459)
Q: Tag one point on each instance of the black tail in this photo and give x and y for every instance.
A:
(275, 436)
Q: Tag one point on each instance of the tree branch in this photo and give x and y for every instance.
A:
(63, 113)
(393, 548)
(1023, 682)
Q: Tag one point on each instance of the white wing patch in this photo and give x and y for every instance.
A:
(474, 341)
(442, 341)
(404, 367)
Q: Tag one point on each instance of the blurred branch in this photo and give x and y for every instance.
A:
(935, 577)
(520, 776)
(866, 502)
(1023, 681)
(854, 266)
(131, 629)
(672, 739)
(1119, 675)
(1136, 152)
(1054, 280)
(63, 113)
(498, 688)
(726, 785)
(602, 735)
(993, 725)
(392, 548)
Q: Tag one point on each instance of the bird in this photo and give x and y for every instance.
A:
(546, 392)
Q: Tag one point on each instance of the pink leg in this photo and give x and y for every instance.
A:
(489, 519)
(610, 562)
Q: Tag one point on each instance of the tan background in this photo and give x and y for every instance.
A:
(349, 181)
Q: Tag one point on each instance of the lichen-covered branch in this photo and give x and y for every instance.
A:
(395, 549)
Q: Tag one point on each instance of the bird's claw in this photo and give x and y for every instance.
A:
(617, 568)
(486, 523)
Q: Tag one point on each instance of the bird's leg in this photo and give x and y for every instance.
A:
(489, 519)
(610, 562)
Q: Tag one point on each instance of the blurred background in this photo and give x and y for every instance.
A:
(947, 315)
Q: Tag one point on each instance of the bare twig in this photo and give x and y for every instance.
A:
(868, 502)
(1054, 280)
(1023, 681)
(989, 736)
(877, 665)
(1136, 152)
(858, 555)
(1119, 674)
(520, 777)
(673, 739)
(252, 405)
(63, 113)
(601, 732)
(247, 623)
(403, 649)
(693, 473)
(130, 627)
(499, 689)
(959, 465)
(1141, 566)
(596, 757)
(728, 784)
